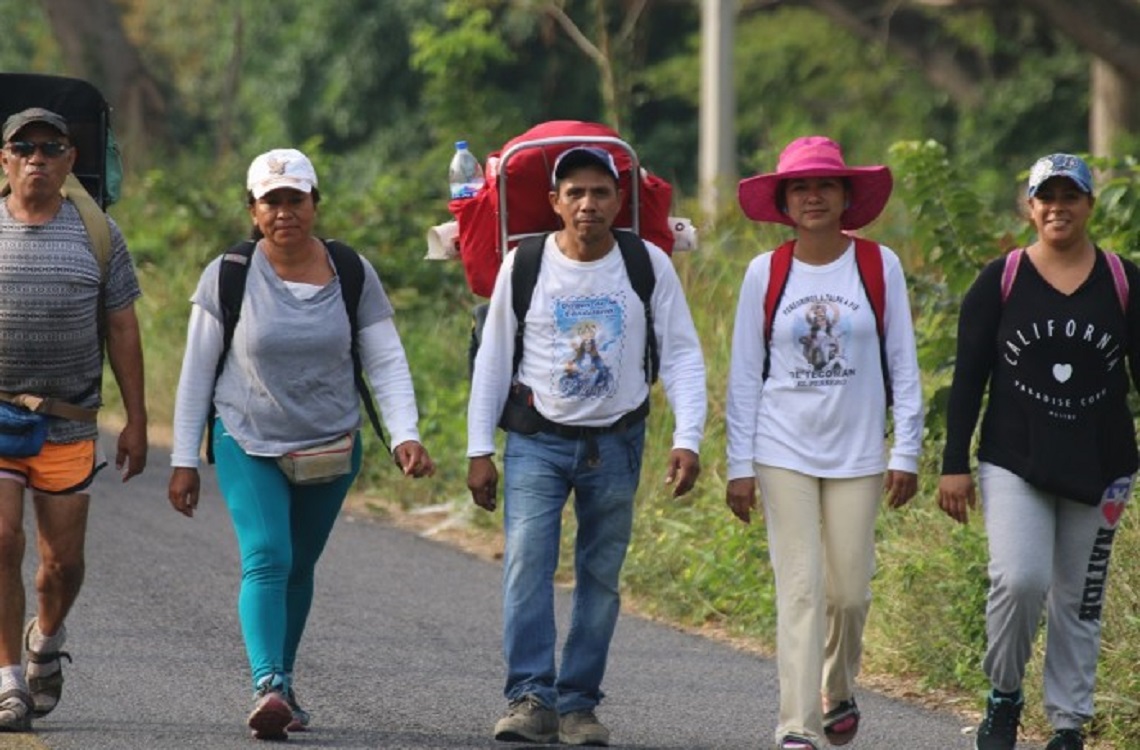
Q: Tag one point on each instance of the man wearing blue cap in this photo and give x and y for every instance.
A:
(576, 387)
(1049, 328)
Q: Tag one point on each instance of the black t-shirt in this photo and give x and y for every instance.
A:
(1057, 414)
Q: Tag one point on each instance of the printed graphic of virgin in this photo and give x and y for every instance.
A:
(822, 333)
(588, 345)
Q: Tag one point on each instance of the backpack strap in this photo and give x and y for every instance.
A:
(350, 268)
(1119, 278)
(778, 271)
(94, 221)
(232, 273)
(1009, 271)
(639, 268)
(1115, 266)
(869, 261)
(524, 277)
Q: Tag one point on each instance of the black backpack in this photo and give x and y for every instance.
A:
(231, 291)
(524, 277)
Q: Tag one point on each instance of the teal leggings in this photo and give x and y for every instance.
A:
(281, 531)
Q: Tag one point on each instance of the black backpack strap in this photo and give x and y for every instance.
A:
(231, 290)
(350, 269)
(524, 276)
(639, 268)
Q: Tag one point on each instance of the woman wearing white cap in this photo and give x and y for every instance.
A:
(822, 342)
(1047, 329)
(282, 382)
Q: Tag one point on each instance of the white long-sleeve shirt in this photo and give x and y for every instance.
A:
(822, 410)
(583, 347)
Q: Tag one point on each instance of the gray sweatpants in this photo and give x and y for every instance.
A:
(1046, 551)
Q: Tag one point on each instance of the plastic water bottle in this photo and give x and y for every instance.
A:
(465, 174)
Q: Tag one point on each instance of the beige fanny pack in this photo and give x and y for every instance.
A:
(321, 463)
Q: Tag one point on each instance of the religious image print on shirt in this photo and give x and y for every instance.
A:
(589, 338)
(821, 328)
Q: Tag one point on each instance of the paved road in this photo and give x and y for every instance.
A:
(402, 649)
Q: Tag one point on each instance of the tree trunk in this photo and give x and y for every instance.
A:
(96, 48)
(1112, 109)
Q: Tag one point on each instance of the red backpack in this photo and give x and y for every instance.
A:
(528, 209)
(869, 261)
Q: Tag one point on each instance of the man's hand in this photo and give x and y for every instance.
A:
(684, 468)
(741, 497)
(413, 459)
(183, 490)
(130, 457)
(483, 481)
(956, 494)
(901, 486)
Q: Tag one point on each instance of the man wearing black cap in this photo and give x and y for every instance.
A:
(582, 387)
(51, 363)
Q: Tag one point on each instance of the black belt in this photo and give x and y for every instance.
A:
(519, 415)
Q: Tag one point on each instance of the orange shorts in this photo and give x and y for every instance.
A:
(58, 469)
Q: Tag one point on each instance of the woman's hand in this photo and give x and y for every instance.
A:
(413, 459)
(901, 486)
(741, 497)
(183, 490)
(955, 495)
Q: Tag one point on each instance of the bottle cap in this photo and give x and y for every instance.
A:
(460, 145)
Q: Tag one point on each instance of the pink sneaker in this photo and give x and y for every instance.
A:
(271, 715)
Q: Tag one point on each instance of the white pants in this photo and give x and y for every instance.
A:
(1047, 553)
(821, 540)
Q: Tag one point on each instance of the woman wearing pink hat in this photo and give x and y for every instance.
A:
(823, 344)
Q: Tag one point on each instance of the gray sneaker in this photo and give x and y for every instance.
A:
(583, 728)
(15, 711)
(45, 689)
(301, 717)
(527, 720)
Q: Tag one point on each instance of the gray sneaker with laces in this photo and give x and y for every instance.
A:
(527, 720)
(583, 728)
(301, 718)
(15, 711)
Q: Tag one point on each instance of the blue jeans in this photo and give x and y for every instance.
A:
(281, 530)
(540, 471)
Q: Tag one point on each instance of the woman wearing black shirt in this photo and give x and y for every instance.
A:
(1047, 328)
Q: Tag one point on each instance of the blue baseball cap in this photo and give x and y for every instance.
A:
(584, 156)
(1060, 165)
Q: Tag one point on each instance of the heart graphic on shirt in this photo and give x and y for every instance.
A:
(1062, 372)
(1112, 512)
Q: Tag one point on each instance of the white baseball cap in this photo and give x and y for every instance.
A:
(280, 168)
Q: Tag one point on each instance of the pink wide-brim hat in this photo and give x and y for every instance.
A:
(817, 156)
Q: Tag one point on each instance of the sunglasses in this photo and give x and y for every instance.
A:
(50, 149)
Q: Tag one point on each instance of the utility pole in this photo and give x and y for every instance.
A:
(717, 158)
